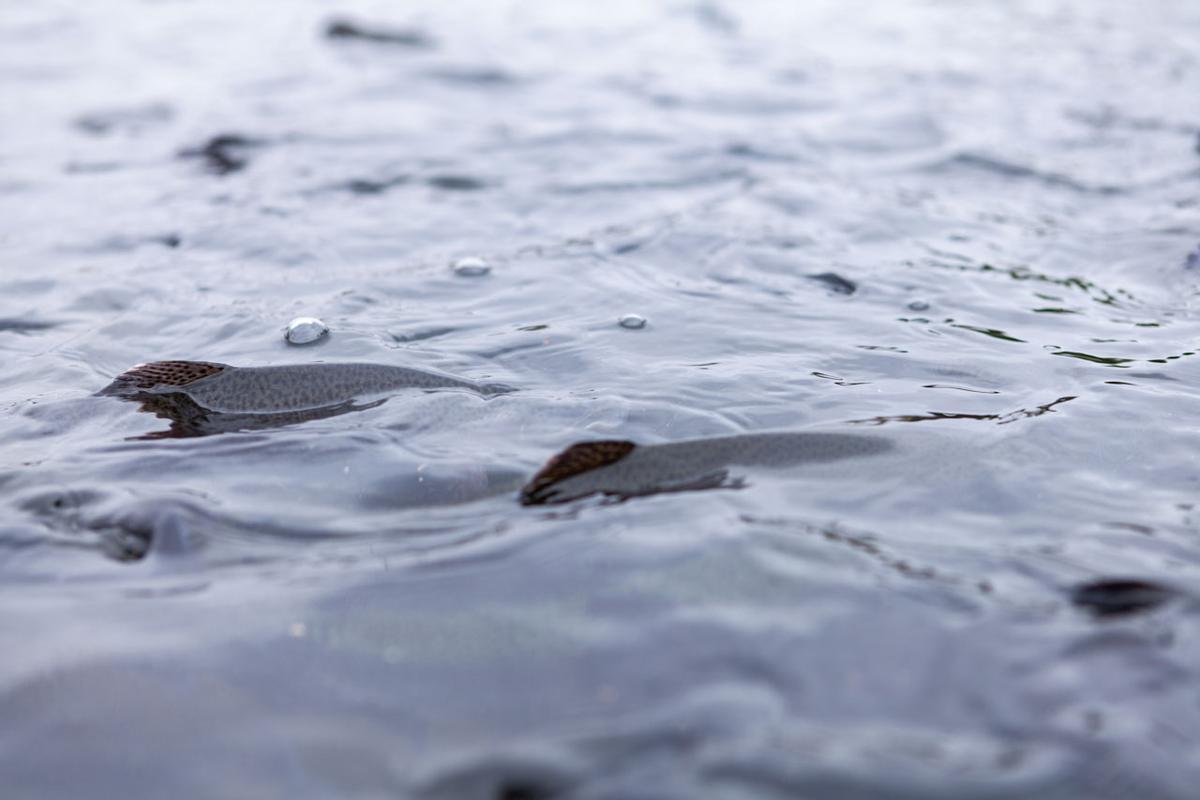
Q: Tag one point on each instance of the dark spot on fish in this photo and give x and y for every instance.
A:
(834, 282)
(346, 30)
(456, 183)
(223, 154)
(1112, 597)
(24, 325)
(576, 459)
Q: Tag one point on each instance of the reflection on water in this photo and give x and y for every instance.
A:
(999, 419)
(188, 418)
(1117, 597)
(682, 225)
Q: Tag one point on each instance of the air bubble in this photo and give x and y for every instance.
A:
(303, 330)
(632, 321)
(471, 267)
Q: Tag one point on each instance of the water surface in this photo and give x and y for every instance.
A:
(969, 229)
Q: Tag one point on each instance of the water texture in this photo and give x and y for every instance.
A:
(964, 231)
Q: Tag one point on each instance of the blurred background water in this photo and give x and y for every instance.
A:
(969, 227)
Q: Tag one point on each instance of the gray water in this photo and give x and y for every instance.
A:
(999, 200)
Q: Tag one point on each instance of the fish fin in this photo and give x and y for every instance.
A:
(576, 459)
(158, 374)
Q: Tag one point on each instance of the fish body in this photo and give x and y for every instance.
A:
(222, 388)
(624, 469)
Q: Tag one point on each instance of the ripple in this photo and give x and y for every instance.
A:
(1012, 169)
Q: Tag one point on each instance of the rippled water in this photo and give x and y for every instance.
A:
(968, 228)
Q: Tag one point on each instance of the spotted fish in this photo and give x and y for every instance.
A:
(623, 469)
(225, 389)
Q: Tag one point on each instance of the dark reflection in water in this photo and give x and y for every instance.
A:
(835, 283)
(999, 419)
(1108, 361)
(1114, 597)
(349, 30)
(24, 325)
(223, 154)
(189, 419)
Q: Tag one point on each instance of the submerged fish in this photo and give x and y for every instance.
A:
(225, 389)
(623, 469)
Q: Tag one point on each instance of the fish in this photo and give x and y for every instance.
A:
(622, 469)
(283, 389)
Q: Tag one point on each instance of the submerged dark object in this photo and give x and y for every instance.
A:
(623, 469)
(1111, 597)
(24, 325)
(834, 282)
(223, 154)
(404, 37)
(285, 389)
(456, 183)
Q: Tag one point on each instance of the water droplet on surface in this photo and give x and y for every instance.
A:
(303, 330)
(632, 321)
(471, 267)
(918, 305)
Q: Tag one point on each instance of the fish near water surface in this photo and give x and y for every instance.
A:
(202, 397)
(623, 469)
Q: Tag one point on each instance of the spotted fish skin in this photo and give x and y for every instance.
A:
(623, 469)
(295, 387)
(158, 374)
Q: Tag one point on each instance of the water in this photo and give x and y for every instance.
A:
(969, 228)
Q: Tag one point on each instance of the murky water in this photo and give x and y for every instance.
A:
(966, 230)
